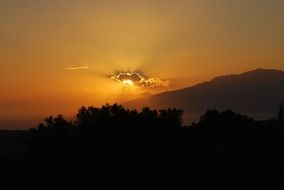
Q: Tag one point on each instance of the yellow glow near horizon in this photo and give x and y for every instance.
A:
(127, 83)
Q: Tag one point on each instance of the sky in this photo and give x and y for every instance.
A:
(56, 56)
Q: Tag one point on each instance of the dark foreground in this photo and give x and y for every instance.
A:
(111, 147)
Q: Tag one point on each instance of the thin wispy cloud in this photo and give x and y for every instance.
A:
(77, 67)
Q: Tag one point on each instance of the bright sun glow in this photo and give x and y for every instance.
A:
(127, 83)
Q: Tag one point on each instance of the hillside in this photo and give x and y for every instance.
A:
(256, 93)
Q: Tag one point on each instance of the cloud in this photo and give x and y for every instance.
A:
(77, 67)
(140, 81)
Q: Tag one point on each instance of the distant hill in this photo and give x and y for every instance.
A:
(256, 93)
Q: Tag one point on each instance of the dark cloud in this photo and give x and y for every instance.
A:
(139, 80)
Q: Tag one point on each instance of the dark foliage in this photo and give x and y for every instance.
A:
(113, 148)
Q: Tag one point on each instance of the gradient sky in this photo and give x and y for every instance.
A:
(58, 55)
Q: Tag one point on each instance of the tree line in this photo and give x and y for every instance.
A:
(114, 147)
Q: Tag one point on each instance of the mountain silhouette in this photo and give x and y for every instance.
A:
(256, 93)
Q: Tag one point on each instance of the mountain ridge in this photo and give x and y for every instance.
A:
(256, 91)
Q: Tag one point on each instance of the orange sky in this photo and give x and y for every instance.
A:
(183, 41)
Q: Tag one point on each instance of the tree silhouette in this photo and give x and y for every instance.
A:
(115, 147)
(227, 119)
(170, 118)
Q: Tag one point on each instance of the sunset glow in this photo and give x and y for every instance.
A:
(142, 94)
(128, 83)
(58, 55)
(138, 80)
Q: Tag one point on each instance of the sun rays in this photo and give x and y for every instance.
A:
(137, 80)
